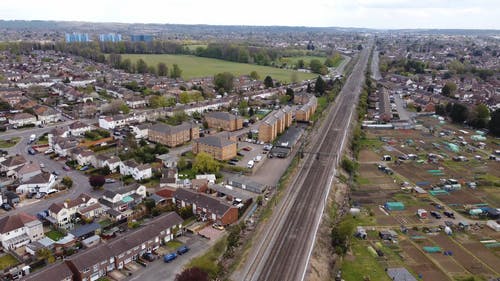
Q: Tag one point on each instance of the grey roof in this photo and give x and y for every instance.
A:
(85, 229)
(54, 272)
(110, 192)
(400, 274)
(167, 129)
(222, 115)
(290, 137)
(231, 192)
(215, 141)
(203, 201)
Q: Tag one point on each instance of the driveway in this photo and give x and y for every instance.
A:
(161, 271)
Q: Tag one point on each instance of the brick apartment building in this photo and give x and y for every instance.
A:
(274, 124)
(224, 121)
(219, 148)
(306, 111)
(173, 136)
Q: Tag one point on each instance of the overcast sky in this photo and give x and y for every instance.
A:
(483, 14)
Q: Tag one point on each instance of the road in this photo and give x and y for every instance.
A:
(80, 181)
(283, 249)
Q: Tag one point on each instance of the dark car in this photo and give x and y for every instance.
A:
(148, 256)
(435, 214)
(6, 206)
(449, 214)
(31, 151)
(182, 250)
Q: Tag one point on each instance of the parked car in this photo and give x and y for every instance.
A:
(218, 226)
(148, 256)
(182, 250)
(109, 180)
(66, 168)
(436, 214)
(248, 148)
(449, 214)
(6, 206)
(56, 173)
(169, 257)
(84, 168)
(31, 151)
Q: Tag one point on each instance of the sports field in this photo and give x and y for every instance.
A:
(193, 67)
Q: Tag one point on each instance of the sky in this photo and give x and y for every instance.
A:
(383, 14)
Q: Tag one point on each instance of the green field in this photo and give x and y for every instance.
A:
(193, 67)
(9, 143)
(7, 261)
(291, 61)
(362, 265)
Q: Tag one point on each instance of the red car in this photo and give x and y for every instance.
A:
(247, 148)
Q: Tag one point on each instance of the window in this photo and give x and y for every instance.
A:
(112, 260)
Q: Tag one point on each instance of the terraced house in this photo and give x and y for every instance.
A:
(173, 136)
(96, 262)
(224, 121)
(220, 148)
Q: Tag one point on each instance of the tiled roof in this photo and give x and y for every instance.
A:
(215, 141)
(13, 222)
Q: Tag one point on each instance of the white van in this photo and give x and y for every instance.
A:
(250, 164)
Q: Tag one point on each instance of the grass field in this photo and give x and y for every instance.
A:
(54, 235)
(9, 143)
(362, 264)
(293, 60)
(7, 261)
(193, 67)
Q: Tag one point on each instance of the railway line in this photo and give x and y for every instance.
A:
(285, 246)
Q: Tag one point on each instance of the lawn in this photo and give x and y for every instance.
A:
(7, 261)
(362, 264)
(209, 261)
(9, 143)
(193, 67)
(54, 235)
(173, 244)
(292, 61)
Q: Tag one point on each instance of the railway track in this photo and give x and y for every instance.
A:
(286, 244)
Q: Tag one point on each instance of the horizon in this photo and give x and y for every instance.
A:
(369, 14)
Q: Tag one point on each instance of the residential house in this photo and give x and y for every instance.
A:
(306, 111)
(19, 229)
(62, 214)
(46, 114)
(223, 121)
(63, 146)
(41, 182)
(83, 156)
(140, 131)
(136, 170)
(219, 148)
(22, 119)
(27, 171)
(112, 122)
(172, 136)
(26, 103)
(123, 198)
(136, 102)
(112, 162)
(11, 97)
(203, 204)
(97, 261)
(78, 128)
(56, 272)
(10, 165)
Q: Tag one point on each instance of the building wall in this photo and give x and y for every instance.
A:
(224, 153)
(226, 125)
(230, 216)
(267, 132)
(172, 140)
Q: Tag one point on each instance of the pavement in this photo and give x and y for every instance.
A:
(375, 70)
(403, 113)
(161, 271)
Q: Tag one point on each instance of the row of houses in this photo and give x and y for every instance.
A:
(98, 261)
(275, 124)
(309, 103)
(29, 174)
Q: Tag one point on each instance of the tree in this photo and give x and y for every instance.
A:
(224, 81)
(126, 65)
(268, 82)
(317, 67)
(124, 108)
(162, 69)
(149, 204)
(115, 60)
(448, 89)
(158, 101)
(192, 274)
(494, 124)
(97, 181)
(205, 163)
(459, 113)
(290, 93)
(141, 66)
(45, 254)
(294, 78)
(67, 182)
(480, 116)
(176, 72)
(254, 75)
(300, 63)
(320, 85)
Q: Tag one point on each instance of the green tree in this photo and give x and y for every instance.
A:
(182, 164)
(176, 72)
(494, 124)
(459, 113)
(205, 163)
(300, 63)
(162, 69)
(141, 66)
(480, 116)
(290, 93)
(67, 182)
(254, 75)
(158, 101)
(45, 254)
(448, 89)
(124, 108)
(320, 85)
(317, 67)
(224, 81)
(184, 98)
(149, 204)
(126, 65)
(268, 82)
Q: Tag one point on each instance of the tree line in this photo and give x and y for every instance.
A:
(479, 117)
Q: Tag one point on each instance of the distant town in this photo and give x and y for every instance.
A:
(156, 152)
